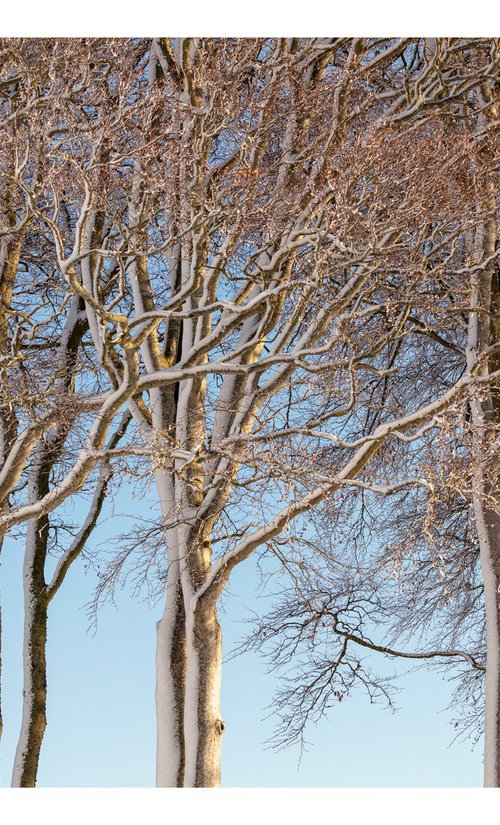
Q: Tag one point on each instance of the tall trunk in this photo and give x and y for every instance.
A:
(35, 665)
(171, 654)
(484, 330)
(170, 686)
(203, 726)
(486, 496)
(36, 595)
(35, 630)
(488, 526)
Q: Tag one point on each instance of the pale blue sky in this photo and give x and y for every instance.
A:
(101, 728)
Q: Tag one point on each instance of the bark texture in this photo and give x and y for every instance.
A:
(34, 655)
(171, 663)
(202, 717)
(484, 333)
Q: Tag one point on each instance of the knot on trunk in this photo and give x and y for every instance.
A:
(219, 726)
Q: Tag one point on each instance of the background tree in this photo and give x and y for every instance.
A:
(437, 537)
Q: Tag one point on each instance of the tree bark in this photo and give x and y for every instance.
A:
(170, 687)
(484, 331)
(488, 525)
(35, 663)
(203, 726)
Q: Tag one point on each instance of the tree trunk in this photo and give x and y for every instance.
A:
(35, 669)
(486, 496)
(203, 726)
(170, 686)
(488, 526)
(35, 630)
(484, 331)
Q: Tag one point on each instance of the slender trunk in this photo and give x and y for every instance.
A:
(35, 669)
(35, 631)
(170, 686)
(203, 726)
(486, 497)
(485, 410)
(488, 526)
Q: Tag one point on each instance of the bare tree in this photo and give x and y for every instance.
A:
(483, 357)
(42, 343)
(250, 227)
(42, 354)
(438, 537)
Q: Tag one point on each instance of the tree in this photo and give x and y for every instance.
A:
(249, 226)
(41, 345)
(438, 537)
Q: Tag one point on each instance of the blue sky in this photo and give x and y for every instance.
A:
(101, 726)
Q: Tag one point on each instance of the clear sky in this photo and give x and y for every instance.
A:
(101, 725)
